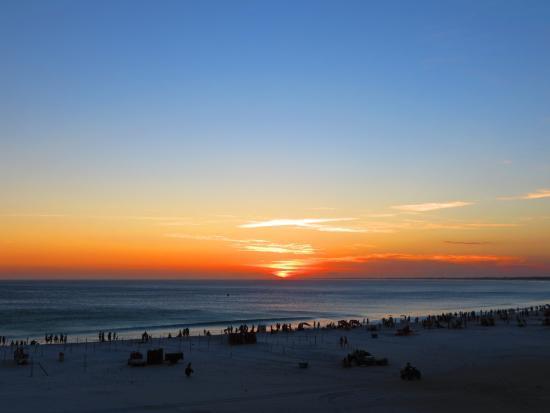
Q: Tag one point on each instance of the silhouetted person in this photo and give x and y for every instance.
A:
(189, 370)
(410, 373)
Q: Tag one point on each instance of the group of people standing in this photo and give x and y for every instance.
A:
(55, 338)
(281, 327)
(110, 336)
(183, 333)
(243, 328)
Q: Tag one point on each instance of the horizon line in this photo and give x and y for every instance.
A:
(378, 278)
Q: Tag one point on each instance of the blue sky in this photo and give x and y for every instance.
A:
(272, 106)
(325, 78)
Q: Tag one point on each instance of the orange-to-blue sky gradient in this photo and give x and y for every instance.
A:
(274, 139)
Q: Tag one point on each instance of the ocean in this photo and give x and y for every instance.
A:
(82, 308)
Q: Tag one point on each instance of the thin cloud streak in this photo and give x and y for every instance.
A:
(305, 222)
(431, 206)
(390, 227)
(253, 245)
(298, 249)
(539, 194)
(449, 258)
(318, 224)
(326, 228)
(286, 268)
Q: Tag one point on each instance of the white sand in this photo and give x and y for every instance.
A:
(503, 368)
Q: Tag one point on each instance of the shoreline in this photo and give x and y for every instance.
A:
(195, 329)
(28, 311)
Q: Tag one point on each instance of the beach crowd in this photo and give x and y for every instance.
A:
(459, 319)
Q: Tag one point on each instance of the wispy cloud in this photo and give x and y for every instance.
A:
(539, 194)
(253, 245)
(286, 268)
(327, 228)
(409, 224)
(318, 224)
(292, 248)
(449, 258)
(431, 206)
(304, 222)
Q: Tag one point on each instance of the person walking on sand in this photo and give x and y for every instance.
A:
(189, 370)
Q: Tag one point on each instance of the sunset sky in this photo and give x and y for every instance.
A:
(274, 139)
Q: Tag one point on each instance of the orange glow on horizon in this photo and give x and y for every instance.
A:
(205, 247)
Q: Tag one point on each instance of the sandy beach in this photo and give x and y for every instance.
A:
(502, 368)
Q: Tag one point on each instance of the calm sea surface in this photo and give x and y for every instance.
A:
(81, 308)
